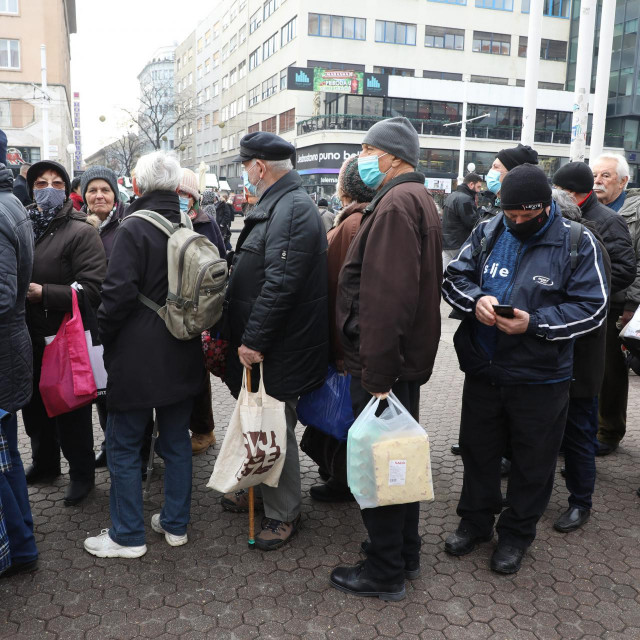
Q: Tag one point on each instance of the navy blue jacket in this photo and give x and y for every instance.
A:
(563, 303)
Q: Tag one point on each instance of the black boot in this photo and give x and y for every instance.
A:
(573, 518)
(506, 559)
(77, 491)
(352, 580)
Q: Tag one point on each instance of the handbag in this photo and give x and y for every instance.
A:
(255, 445)
(215, 353)
(66, 378)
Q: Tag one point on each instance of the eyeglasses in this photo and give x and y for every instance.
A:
(43, 184)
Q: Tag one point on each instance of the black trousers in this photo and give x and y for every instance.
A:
(532, 417)
(72, 432)
(393, 530)
(612, 403)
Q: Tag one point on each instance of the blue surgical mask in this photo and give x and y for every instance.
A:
(49, 198)
(252, 189)
(369, 170)
(184, 204)
(493, 181)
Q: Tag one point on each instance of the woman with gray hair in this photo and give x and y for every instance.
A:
(148, 369)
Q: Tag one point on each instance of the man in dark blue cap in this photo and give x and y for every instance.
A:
(277, 311)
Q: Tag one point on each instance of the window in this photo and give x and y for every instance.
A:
(215, 117)
(254, 59)
(207, 94)
(224, 114)
(233, 76)
(549, 49)
(502, 5)
(216, 89)
(184, 131)
(232, 142)
(178, 64)
(254, 96)
(253, 128)
(190, 53)
(216, 30)
(205, 149)
(270, 124)
(199, 72)
(207, 38)
(242, 104)
(489, 80)
(287, 120)
(214, 147)
(462, 2)
(269, 86)
(9, 54)
(395, 32)
(9, 6)
(225, 82)
(255, 21)
(242, 34)
(191, 128)
(288, 32)
(225, 52)
(200, 44)
(233, 109)
(553, 8)
(329, 26)
(496, 43)
(207, 121)
(269, 47)
(199, 124)
(190, 78)
(283, 79)
(395, 71)
(441, 75)
(225, 144)
(200, 98)
(207, 66)
(199, 150)
(242, 69)
(233, 44)
(216, 59)
(444, 38)
(269, 7)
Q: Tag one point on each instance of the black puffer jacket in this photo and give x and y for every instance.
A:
(147, 366)
(616, 238)
(16, 261)
(277, 295)
(459, 216)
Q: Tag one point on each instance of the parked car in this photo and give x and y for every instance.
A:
(237, 201)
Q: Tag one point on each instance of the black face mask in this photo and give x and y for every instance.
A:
(525, 230)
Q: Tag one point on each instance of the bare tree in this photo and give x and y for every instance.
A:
(159, 113)
(122, 155)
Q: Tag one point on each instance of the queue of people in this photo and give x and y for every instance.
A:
(532, 283)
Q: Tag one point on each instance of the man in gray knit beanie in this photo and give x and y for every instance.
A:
(390, 279)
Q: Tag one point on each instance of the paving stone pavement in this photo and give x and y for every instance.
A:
(583, 585)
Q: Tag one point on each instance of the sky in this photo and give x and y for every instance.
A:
(115, 39)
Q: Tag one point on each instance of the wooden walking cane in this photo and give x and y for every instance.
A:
(252, 542)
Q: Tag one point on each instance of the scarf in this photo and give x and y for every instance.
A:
(40, 220)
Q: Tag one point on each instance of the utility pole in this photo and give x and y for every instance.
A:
(531, 74)
(607, 20)
(45, 103)
(583, 80)
(463, 128)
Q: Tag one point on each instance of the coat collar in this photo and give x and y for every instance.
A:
(262, 211)
(157, 201)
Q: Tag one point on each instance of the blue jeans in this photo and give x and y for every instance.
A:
(580, 450)
(125, 433)
(15, 501)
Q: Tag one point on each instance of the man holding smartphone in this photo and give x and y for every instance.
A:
(529, 283)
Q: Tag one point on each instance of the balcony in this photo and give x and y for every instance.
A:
(512, 133)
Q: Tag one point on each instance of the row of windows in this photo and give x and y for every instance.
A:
(552, 8)
(329, 26)
(282, 123)
(270, 46)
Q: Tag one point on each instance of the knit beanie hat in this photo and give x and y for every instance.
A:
(208, 197)
(574, 176)
(511, 158)
(397, 137)
(99, 173)
(525, 187)
(350, 183)
(189, 184)
(37, 169)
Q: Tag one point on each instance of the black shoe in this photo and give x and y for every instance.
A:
(505, 467)
(35, 475)
(351, 580)
(77, 491)
(411, 569)
(572, 519)
(20, 567)
(455, 449)
(506, 559)
(605, 449)
(101, 459)
(563, 472)
(461, 542)
(325, 493)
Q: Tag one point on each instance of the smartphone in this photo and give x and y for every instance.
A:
(504, 310)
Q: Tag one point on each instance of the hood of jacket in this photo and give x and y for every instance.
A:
(631, 204)
(6, 178)
(345, 212)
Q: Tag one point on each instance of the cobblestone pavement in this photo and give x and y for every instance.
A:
(583, 585)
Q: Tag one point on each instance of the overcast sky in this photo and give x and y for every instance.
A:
(115, 39)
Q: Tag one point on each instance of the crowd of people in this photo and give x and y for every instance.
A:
(542, 281)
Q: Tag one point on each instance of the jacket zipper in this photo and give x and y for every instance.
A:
(196, 293)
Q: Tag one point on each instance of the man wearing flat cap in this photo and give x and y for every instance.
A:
(529, 283)
(276, 311)
(388, 310)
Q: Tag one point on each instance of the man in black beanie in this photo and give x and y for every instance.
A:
(522, 311)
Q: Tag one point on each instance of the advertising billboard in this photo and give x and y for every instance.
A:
(337, 81)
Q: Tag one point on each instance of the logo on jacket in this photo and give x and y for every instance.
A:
(543, 280)
(495, 269)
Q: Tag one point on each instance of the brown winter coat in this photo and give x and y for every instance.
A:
(69, 251)
(339, 238)
(388, 308)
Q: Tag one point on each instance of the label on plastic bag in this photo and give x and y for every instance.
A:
(397, 473)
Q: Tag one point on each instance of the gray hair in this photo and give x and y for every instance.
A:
(158, 171)
(567, 205)
(279, 166)
(621, 163)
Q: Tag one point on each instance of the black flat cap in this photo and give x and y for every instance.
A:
(264, 146)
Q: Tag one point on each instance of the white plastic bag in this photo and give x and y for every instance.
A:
(631, 330)
(388, 460)
(255, 444)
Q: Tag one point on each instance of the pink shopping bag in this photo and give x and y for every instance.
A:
(66, 379)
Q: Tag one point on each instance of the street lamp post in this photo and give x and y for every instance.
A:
(71, 150)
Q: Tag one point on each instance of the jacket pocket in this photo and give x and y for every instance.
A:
(351, 326)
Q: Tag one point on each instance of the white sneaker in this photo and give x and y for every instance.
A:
(174, 541)
(104, 547)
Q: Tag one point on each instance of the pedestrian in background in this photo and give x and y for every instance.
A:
(224, 218)
(326, 216)
(20, 189)
(76, 194)
(208, 206)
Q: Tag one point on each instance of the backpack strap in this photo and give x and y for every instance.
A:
(158, 221)
(575, 232)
